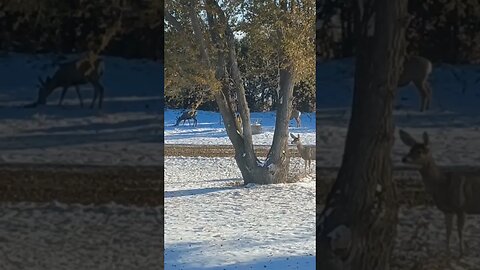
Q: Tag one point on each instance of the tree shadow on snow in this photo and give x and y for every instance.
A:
(71, 108)
(179, 256)
(198, 191)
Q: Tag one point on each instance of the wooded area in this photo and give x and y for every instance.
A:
(258, 61)
(126, 28)
(440, 30)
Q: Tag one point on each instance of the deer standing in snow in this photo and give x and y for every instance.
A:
(417, 69)
(186, 116)
(453, 193)
(307, 154)
(69, 74)
(296, 115)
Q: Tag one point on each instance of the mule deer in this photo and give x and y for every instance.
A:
(417, 69)
(453, 193)
(308, 154)
(186, 116)
(296, 115)
(238, 118)
(73, 73)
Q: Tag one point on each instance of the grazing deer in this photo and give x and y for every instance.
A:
(186, 116)
(69, 74)
(453, 193)
(308, 154)
(296, 115)
(417, 69)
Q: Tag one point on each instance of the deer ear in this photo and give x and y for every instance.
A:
(293, 136)
(406, 138)
(425, 138)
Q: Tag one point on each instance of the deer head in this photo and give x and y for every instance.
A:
(295, 139)
(419, 153)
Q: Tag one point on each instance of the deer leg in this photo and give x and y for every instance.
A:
(423, 94)
(98, 90)
(423, 101)
(428, 89)
(100, 102)
(449, 224)
(79, 96)
(64, 91)
(94, 98)
(460, 224)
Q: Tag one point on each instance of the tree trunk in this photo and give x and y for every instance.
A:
(275, 168)
(356, 229)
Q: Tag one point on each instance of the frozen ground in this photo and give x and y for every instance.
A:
(421, 241)
(212, 222)
(210, 131)
(453, 122)
(126, 131)
(58, 236)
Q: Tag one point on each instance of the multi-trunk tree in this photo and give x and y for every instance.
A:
(201, 51)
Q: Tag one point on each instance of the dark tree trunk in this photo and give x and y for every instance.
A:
(356, 229)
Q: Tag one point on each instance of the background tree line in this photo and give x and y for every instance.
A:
(261, 85)
(441, 30)
(258, 64)
(126, 28)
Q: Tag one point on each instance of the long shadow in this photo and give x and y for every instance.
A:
(137, 124)
(198, 133)
(73, 110)
(180, 257)
(341, 117)
(49, 140)
(193, 192)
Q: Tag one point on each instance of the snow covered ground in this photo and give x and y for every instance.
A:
(126, 131)
(453, 122)
(421, 241)
(210, 131)
(213, 222)
(59, 236)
